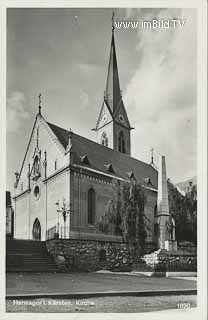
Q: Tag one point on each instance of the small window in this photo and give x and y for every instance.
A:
(109, 167)
(102, 255)
(121, 143)
(104, 139)
(84, 159)
(37, 192)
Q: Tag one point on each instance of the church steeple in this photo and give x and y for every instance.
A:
(112, 92)
(113, 127)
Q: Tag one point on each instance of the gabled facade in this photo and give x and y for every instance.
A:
(34, 194)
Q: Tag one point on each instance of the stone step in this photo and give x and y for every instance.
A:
(31, 269)
(28, 256)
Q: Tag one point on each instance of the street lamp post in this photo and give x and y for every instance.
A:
(65, 210)
(58, 211)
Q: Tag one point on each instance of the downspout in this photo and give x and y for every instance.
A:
(46, 193)
(29, 199)
(70, 152)
(79, 200)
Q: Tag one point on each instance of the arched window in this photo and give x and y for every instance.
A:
(121, 143)
(91, 206)
(104, 139)
(36, 232)
(36, 166)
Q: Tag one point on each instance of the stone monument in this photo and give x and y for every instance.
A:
(166, 223)
(167, 258)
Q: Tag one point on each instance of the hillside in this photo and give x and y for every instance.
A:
(182, 186)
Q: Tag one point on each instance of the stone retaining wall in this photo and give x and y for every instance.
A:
(187, 246)
(89, 255)
(163, 260)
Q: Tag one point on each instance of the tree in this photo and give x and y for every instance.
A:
(184, 211)
(190, 202)
(126, 213)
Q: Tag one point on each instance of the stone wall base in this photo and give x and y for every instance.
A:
(176, 261)
(90, 255)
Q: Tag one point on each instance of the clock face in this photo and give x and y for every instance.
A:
(121, 118)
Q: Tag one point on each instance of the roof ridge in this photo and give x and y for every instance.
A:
(102, 146)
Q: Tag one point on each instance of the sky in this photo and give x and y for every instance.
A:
(64, 53)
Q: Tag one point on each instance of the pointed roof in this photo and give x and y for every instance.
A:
(99, 156)
(113, 92)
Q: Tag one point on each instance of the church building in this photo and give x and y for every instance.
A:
(66, 180)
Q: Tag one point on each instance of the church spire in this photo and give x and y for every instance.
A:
(112, 92)
(113, 127)
(39, 104)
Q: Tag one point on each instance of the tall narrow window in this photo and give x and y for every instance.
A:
(104, 139)
(55, 164)
(36, 167)
(91, 206)
(121, 143)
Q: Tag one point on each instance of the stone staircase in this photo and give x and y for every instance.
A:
(28, 256)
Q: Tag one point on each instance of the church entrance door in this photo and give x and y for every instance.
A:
(36, 232)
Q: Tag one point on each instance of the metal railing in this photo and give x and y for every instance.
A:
(50, 233)
(57, 231)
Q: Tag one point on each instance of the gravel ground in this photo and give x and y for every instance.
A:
(106, 304)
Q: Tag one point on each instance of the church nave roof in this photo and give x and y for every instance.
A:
(100, 156)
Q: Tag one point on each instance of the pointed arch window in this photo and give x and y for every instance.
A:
(91, 206)
(36, 164)
(36, 168)
(36, 232)
(104, 139)
(121, 142)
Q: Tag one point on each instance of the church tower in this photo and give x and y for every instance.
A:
(113, 127)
